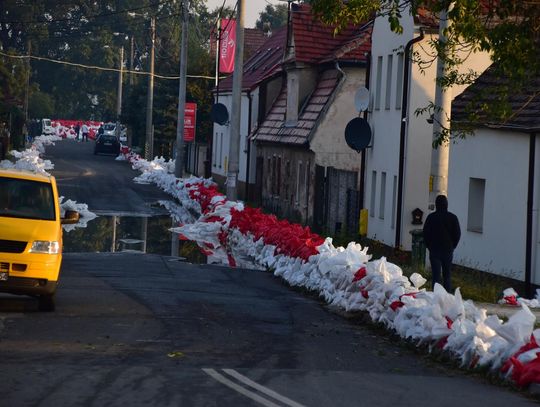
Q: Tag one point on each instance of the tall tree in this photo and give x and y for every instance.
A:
(272, 17)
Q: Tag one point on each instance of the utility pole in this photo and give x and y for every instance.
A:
(149, 150)
(234, 146)
(441, 118)
(119, 97)
(179, 160)
(27, 90)
(131, 40)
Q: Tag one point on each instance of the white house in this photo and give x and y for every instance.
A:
(398, 163)
(260, 87)
(494, 185)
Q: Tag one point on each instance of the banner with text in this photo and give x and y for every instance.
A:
(227, 45)
(190, 119)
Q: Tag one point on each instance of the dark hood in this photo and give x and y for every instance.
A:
(441, 203)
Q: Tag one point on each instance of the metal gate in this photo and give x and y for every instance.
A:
(336, 206)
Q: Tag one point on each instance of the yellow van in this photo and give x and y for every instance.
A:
(31, 235)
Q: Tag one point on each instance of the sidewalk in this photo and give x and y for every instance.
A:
(505, 311)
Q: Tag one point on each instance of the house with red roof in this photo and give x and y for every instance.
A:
(304, 169)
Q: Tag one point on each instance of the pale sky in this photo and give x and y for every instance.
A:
(252, 8)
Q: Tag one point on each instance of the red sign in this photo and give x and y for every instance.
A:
(190, 119)
(227, 46)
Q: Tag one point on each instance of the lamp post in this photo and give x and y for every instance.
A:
(150, 95)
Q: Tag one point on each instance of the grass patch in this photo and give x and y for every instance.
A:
(476, 285)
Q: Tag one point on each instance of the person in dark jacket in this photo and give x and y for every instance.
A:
(441, 236)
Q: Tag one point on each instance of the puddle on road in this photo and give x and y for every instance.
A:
(130, 233)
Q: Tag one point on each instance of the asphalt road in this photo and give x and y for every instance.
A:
(147, 330)
(100, 181)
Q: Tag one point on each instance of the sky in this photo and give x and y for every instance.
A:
(252, 8)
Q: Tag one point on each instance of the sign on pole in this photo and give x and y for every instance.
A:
(190, 119)
(227, 45)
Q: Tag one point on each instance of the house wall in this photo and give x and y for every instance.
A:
(221, 142)
(288, 179)
(328, 142)
(385, 119)
(499, 247)
(383, 156)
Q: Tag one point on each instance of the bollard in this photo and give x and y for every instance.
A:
(418, 254)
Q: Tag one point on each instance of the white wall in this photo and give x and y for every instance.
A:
(501, 159)
(328, 142)
(386, 123)
(383, 157)
(221, 137)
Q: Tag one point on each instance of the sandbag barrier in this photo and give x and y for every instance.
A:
(234, 234)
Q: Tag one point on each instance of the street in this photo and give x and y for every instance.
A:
(150, 330)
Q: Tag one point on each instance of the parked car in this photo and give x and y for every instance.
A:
(31, 235)
(47, 127)
(107, 144)
(110, 130)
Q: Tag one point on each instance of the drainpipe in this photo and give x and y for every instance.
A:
(364, 155)
(402, 134)
(250, 108)
(530, 201)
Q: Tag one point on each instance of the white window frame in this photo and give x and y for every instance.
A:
(373, 196)
(382, 198)
(378, 83)
(399, 80)
(476, 204)
(388, 85)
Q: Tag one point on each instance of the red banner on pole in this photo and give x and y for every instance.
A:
(190, 119)
(227, 45)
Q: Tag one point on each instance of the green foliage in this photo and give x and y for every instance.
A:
(508, 30)
(40, 104)
(91, 33)
(272, 17)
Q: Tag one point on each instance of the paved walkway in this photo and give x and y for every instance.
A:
(505, 311)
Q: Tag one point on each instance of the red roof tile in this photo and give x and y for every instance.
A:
(316, 42)
(263, 63)
(273, 128)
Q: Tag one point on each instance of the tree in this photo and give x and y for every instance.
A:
(507, 29)
(272, 17)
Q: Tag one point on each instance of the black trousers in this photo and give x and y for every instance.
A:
(441, 260)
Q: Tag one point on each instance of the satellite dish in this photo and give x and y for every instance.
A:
(219, 113)
(361, 99)
(358, 134)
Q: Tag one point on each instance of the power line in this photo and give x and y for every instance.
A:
(100, 68)
(86, 17)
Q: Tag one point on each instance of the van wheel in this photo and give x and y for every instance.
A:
(47, 302)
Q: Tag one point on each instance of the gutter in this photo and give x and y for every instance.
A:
(248, 142)
(402, 134)
(529, 226)
(363, 164)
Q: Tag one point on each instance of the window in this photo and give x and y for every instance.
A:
(394, 202)
(373, 191)
(389, 63)
(399, 82)
(475, 217)
(378, 84)
(308, 178)
(382, 200)
(298, 181)
(214, 150)
(220, 149)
